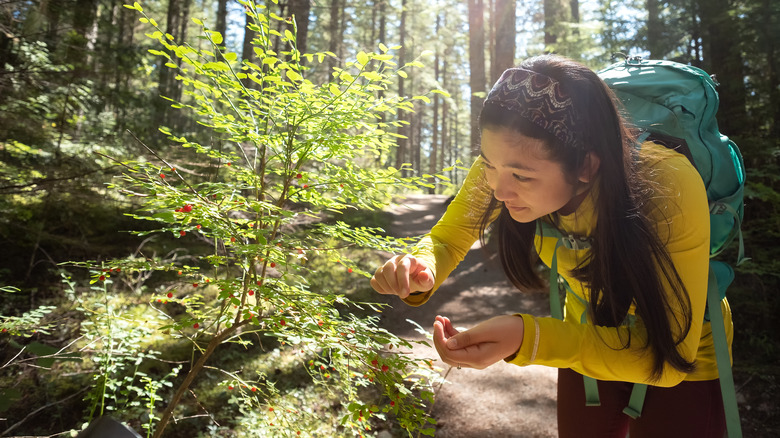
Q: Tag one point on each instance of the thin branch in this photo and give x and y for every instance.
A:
(31, 414)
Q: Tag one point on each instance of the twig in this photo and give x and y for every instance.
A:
(7, 431)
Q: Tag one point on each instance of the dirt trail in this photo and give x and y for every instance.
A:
(503, 400)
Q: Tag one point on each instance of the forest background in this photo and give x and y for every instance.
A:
(80, 93)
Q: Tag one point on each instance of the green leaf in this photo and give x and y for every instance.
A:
(216, 38)
(230, 56)
(371, 75)
(363, 58)
(402, 74)
(197, 21)
(10, 395)
(293, 75)
(165, 216)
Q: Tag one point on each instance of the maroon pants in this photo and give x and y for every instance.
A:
(690, 409)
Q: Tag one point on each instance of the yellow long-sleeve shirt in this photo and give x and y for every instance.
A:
(681, 215)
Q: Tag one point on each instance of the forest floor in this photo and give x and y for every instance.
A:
(502, 400)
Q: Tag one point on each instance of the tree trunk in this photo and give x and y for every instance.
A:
(477, 67)
(247, 49)
(221, 25)
(654, 29)
(574, 6)
(555, 13)
(333, 31)
(403, 128)
(299, 10)
(723, 58)
(770, 31)
(434, 158)
(83, 23)
(504, 55)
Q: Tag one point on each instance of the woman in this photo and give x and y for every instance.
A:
(556, 153)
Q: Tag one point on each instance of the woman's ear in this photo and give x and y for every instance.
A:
(590, 167)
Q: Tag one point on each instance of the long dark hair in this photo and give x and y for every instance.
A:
(623, 204)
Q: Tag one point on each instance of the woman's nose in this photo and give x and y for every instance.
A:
(503, 191)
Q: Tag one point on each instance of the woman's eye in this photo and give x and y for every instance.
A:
(520, 178)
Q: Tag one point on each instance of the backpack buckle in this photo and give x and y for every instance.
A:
(717, 208)
(575, 242)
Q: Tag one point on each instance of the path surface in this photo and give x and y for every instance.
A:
(503, 400)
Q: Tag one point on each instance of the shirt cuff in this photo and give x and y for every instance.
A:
(526, 355)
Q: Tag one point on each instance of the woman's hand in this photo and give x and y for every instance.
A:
(482, 346)
(402, 275)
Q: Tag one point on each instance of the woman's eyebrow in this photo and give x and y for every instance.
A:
(518, 166)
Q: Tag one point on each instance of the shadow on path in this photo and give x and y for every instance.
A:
(503, 400)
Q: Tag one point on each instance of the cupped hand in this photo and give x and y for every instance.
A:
(481, 346)
(402, 275)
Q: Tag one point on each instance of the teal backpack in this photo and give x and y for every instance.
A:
(675, 105)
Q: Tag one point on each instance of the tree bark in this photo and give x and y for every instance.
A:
(477, 78)
(434, 158)
(299, 10)
(654, 29)
(403, 128)
(555, 12)
(723, 58)
(333, 30)
(504, 55)
(770, 30)
(221, 25)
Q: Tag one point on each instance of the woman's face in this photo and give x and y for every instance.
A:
(523, 177)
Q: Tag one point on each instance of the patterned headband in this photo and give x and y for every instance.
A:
(539, 99)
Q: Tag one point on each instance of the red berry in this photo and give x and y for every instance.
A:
(179, 273)
(254, 389)
(270, 409)
(349, 270)
(392, 403)
(187, 208)
(230, 387)
(182, 233)
(283, 322)
(385, 367)
(299, 176)
(227, 164)
(162, 175)
(102, 278)
(251, 292)
(170, 295)
(194, 284)
(320, 323)
(374, 362)
(273, 265)
(198, 226)
(173, 169)
(118, 269)
(305, 186)
(196, 325)
(232, 239)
